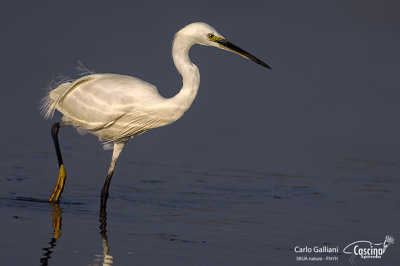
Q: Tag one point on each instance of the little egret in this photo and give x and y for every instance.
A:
(116, 108)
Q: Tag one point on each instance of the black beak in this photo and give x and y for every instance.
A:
(224, 44)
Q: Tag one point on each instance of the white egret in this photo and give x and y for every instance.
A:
(116, 108)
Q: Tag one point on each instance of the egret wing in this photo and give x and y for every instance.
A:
(100, 101)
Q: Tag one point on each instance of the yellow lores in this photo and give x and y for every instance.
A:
(214, 38)
(116, 108)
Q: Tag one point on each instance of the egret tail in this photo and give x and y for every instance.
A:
(50, 100)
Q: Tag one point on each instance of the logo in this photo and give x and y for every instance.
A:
(367, 250)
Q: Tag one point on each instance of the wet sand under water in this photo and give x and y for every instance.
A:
(182, 215)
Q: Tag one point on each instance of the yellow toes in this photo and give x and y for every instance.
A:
(59, 187)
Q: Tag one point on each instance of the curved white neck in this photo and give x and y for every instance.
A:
(181, 102)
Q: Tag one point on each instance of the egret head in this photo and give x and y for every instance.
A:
(203, 34)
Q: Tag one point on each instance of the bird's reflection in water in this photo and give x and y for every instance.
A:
(57, 217)
(106, 259)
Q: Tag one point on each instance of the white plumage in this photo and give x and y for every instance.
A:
(116, 108)
(112, 107)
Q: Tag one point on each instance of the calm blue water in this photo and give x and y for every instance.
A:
(180, 214)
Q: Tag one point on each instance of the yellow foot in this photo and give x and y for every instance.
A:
(60, 185)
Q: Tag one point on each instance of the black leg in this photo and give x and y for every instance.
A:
(54, 134)
(118, 146)
(59, 187)
(104, 191)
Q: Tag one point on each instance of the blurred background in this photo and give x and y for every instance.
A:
(328, 110)
(333, 89)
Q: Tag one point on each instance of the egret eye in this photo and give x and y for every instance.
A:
(210, 35)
